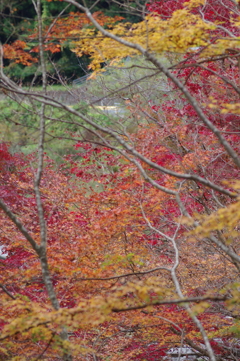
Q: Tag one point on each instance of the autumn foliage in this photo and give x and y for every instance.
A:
(142, 224)
(55, 35)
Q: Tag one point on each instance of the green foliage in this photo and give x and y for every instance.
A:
(19, 123)
(19, 72)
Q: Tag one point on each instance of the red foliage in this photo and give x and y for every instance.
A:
(211, 10)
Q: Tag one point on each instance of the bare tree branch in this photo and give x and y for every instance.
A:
(122, 276)
(20, 226)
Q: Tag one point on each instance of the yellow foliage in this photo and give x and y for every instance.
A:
(221, 46)
(33, 319)
(181, 32)
(224, 108)
(230, 108)
(194, 3)
(200, 307)
(228, 217)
